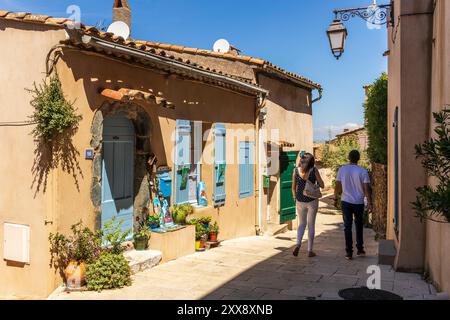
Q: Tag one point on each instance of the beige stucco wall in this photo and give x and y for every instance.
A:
(409, 84)
(23, 62)
(193, 101)
(289, 116)
(419, 78)
(67, 198)
(437, 257)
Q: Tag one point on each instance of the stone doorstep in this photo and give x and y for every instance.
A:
(273, 229)
(386, 252)
(142, 260)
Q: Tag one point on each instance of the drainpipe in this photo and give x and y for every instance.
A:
(261, 101)
(320, 90)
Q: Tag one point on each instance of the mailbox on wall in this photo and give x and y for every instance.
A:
(165, 182)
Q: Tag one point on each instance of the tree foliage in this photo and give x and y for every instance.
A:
(432, 201)
(336, 155)
(376, 119)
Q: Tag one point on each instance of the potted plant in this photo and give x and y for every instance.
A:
(153, 221)
(142, 237)
(71, 254)
(200, 234)
(181, 212)
(205, 221)
(213, 232)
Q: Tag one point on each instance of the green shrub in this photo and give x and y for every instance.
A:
(376, 119)
(114, 236)
(431, 201)
(109, 271)
(53, 114)
(336, 156)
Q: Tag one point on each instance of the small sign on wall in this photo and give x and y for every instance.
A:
(89, 154)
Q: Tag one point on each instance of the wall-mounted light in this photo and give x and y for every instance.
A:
(337, 35)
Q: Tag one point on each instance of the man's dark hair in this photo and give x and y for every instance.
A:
(354, 156)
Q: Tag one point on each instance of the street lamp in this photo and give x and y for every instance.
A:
(373, 14)
(337, 34)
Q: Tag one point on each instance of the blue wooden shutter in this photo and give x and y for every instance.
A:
(219, 164)
(182, 159)
(246, 166)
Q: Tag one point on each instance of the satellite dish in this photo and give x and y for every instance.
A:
(120, 29)
(222, 45)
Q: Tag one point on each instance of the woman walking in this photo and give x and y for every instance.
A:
(307, 207)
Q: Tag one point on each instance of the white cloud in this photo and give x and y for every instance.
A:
(323, 133)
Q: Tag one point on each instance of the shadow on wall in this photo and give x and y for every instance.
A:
(51, 154)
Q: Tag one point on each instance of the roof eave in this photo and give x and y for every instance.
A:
(161, 60)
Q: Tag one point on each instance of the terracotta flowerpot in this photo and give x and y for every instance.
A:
(213, 236)
(75, 274)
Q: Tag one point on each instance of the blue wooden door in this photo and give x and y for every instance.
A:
(118, 171)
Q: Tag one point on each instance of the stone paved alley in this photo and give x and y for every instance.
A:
(264, 268)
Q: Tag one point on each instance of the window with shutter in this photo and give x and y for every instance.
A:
(219, 164)
(188, 153)
(246, 169)
(182, 160)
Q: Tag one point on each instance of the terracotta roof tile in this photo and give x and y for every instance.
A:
(16, 15)
(144, 45)
(190, 50)
(36, 17)
(56, 20)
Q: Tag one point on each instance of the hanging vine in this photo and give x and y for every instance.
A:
(433, 203)
(53, 114)
(56, 123)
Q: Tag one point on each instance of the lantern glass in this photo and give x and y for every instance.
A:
(337, 35)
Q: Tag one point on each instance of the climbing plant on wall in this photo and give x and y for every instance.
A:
(53, 114)
(375, 111)
(433, 202)
(56, 121)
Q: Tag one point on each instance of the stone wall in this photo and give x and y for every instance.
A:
(379, 195)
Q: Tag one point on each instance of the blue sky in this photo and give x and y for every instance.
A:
(289, 33)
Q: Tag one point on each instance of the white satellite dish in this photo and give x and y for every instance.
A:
(222, 45)
(120, 29)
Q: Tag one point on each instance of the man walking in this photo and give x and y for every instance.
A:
(353, 183)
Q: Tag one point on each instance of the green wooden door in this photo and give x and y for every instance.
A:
(287, 203)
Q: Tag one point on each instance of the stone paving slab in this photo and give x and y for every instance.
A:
(254, 268)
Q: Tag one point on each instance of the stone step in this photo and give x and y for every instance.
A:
(212, 244)
(273, 229)
(142, 260)
(386, 252)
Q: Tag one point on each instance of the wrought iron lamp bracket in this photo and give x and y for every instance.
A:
(375, 15)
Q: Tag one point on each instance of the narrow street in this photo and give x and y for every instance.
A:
(264, 268)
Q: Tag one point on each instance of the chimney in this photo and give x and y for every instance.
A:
(122, 12)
